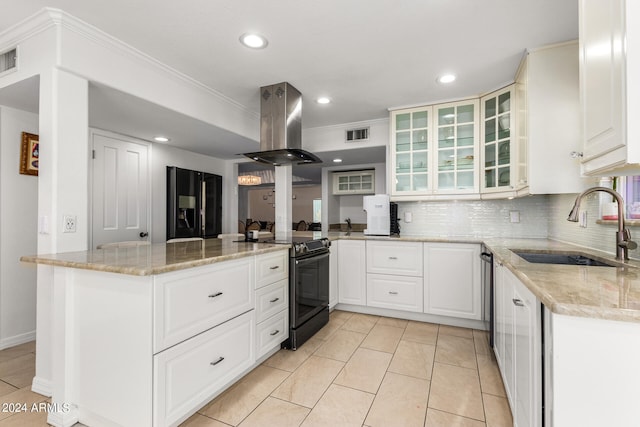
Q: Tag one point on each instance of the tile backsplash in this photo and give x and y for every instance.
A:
(476, 218)
(541, 216)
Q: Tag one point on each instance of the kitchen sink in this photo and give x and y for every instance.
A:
(561, 258)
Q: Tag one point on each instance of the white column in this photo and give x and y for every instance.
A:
(62, 190)
(284, 192)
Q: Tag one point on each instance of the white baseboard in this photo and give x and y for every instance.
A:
(409, 315)
(41, 386)
(17, 339)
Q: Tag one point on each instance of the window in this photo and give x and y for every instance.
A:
(317, 210)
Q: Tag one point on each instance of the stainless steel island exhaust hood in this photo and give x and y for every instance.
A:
(281, 127)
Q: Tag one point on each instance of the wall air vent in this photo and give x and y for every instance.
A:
(361, 134)
(8, 60)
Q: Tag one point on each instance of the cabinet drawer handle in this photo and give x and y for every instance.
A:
(217, 361)
(275, 299)
(217, 294)
(518, 302)
(393, 293)
(393, 257)
(275, 267)
(276, 332)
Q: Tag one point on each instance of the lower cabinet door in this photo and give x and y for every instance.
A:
(452, 285)
(189, 374)
(271, 333)
(394, 292)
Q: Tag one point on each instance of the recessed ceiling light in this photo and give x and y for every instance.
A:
(337, 160)
(161, 138)
(323, 100)
(253, 40)
(446, 78)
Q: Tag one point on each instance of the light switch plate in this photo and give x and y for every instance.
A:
(408, 217)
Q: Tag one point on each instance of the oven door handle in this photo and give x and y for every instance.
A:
(312, 258)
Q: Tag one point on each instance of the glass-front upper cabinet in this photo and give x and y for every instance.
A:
(411, 149)
(456, 130)
(499, 162)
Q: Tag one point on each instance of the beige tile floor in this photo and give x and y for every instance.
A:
(362, 370)
(359, 370)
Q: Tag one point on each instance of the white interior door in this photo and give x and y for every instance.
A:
(120, 193)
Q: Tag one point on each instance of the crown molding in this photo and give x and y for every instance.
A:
(48, 17)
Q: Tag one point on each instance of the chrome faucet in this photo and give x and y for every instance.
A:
(348, 220)
(623, 235)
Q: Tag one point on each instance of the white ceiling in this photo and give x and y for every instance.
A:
(366, 55)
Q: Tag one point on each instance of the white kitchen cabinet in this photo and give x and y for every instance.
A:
(271, 267)
(452, 282)
(354, 182)
(394, 275)
(397, 258)
(610, 91)
(272, 302)
(352, 272)
(434, 152)
(457, 147)
(499, 153)
(411, 152)
(538, 131)
(395, 292)
(549, 122)
(333, 274)
(188, 374)
(187, 302)
(518, 346)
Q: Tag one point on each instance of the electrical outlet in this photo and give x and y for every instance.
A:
(514, 216)
(69, 223)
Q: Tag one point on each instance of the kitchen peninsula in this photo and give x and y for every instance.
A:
(146, 335)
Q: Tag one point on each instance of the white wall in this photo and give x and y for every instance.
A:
(163, 155)
(18, 231)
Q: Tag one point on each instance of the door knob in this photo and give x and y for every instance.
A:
(143, 234)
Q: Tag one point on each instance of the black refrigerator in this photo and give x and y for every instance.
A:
(194, 203)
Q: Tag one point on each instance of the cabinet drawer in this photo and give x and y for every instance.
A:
(271, 267)
(189, 374)
(272, 332)
(394, 292)
(191, 301)
(271, 299)
(404, 258)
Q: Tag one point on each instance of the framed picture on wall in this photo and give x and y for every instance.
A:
(29, 154)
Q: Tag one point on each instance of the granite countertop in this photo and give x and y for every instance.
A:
(611, 293)
(158, 258)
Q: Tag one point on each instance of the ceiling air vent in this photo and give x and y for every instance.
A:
(361, 134)
(8, 60)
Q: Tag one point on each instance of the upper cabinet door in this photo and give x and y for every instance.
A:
(608, 86)
(411, 151)
(434, 151)
(498, 159)
(457, 147)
